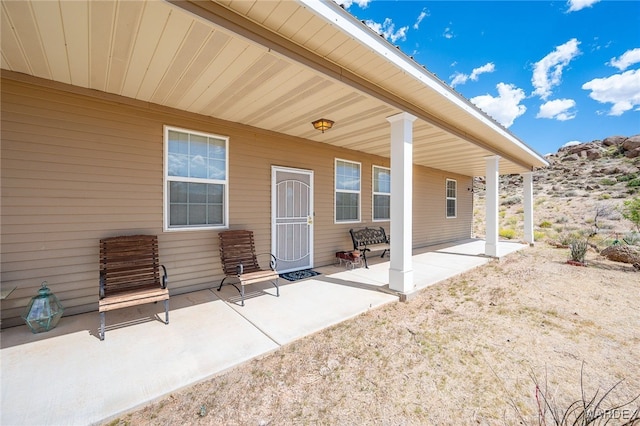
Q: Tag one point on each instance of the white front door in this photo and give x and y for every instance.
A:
(292, 218)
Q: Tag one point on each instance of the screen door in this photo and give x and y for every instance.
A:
(292, 221)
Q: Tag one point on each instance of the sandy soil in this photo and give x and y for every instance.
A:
(470, 350)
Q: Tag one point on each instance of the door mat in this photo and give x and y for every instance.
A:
(299, 275)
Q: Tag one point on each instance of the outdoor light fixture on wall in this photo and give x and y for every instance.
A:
(322, 124)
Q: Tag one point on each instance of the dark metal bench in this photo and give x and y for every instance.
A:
(130, 275)
(370, 239)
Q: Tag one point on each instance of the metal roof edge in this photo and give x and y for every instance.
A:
(337, 15)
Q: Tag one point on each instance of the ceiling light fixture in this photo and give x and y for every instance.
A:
(322, 124)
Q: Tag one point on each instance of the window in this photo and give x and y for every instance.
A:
(347, 200)
(381, 193)
(451, 198)
(195, 180)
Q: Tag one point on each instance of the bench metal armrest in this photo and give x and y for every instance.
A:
(165, 277)
(272, 261)
(101, 286)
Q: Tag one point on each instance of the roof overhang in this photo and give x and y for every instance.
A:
(275, 65)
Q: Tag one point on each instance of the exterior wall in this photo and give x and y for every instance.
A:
(78, 165)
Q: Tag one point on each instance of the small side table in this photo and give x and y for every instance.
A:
(351, 260)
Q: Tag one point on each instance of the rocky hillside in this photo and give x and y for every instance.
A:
(580, 192)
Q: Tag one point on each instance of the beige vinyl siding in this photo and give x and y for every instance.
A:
(80, 165)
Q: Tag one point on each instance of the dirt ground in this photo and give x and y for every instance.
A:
(486, 347)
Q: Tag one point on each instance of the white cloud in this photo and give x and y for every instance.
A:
(422, 15)
(448, 33)
(388, 30)
(347, 3)
(627, 59)
(559, 109)
(571, 143)
(504, 108)
(460, 78)
(575, 5)
(621, 90)
(488, 67)
(547, 72)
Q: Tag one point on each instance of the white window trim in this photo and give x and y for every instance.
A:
(336, 190)
(447, 198)
(373, 193)
(166, 179)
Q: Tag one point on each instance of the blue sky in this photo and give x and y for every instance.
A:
(551, 72)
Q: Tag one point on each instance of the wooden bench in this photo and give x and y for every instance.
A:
(130, 275)
(239, 260)
(370, 239)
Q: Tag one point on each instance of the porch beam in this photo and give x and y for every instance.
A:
(528, 206)
(401, 265)
(226, 18)
(491, 199)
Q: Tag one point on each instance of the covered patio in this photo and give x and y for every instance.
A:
(106, 78)
(209, 333)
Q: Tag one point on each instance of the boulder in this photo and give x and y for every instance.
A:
(622, 253)
(633, 153)
(632, 143)
(593, 154)
(578, 148)
(614, 140)
(572, 157)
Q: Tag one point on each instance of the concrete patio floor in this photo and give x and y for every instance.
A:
(68, 376)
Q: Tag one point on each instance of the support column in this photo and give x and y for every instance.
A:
(401, 266)
(527, 183)
(491, 200)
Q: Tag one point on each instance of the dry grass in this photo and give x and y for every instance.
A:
(465, 351)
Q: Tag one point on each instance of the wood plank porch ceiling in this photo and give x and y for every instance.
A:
(275, 65)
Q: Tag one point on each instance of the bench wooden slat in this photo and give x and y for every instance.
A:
(258, 276)
(130, 274)
(237, 247)
(132, 298)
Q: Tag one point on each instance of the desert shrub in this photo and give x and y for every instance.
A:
(578, 249)
(545, 224)
(598, 409)
(513, 220)
(562, 219)
(614, 151)
(626, 178)
(604, 196)
(608, 181)
(507, 233)
(634, 183)
(571, 193)
(565, 238)
(631, 211)
(615, 215)
(632, 238)
(539, 236)
(516, 199)
(502, 213)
